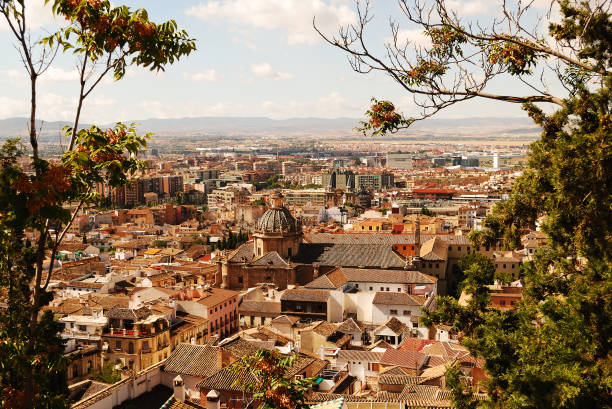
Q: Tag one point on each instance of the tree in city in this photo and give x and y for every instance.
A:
(553, 349)
(264, 378)
(108, 373)
(35, 211)
(426, 212)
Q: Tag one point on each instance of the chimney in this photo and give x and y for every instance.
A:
(179, 389)
(212, 399)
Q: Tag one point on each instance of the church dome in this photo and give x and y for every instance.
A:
(277, 220)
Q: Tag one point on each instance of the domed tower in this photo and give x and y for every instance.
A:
(277, 230)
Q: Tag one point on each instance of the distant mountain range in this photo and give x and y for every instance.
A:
(254, 126)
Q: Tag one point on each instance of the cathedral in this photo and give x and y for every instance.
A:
(280, 255)
(268, 259)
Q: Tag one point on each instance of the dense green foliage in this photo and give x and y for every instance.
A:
(108, 373)
(427, 212)
(232, 240)
(270, 386)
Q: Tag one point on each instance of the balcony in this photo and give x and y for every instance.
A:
(129, 333)
(80, 335)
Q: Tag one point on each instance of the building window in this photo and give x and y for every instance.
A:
(406, 312)
(504, 266)
(387, 288)
(458, 248)
(371, 288)
(382, 288)
(502, 302)
(399, 290)
(118, 345)
(393, 312)
(239, 280)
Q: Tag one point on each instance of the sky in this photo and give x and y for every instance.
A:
(254, 58)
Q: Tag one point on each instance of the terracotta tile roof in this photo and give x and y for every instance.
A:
(406, 359)
(434, 249)
(249, 307)
(350, 255)
(393, 324)
(324, 328)
(285, 319)
(330, 281)
(72, 247)
(390, 379)
(305, 294)
(128, 313)
(506, 257)
(194, 360)
(215, 296)
(265, 333)
(108, 301)
(272, 259)
(349, 325)
(240, 347)
(242, 254)
(227, 380)
(415, 344)
(347, 355)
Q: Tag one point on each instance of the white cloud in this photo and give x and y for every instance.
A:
(292, 16)
(414, 37)
(15, 74)
(54, 74)
(265, 70)
(37, 15)
(203, 76)
(471, 7)
(10, 107)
